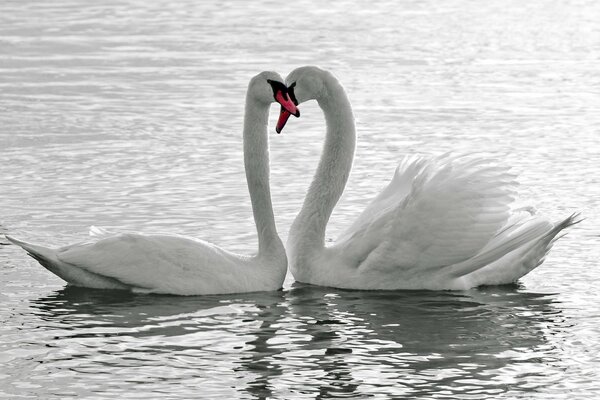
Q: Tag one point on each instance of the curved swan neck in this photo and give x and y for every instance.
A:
(308, 230)
(256, 162)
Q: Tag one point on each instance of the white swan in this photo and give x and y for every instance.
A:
(444, 223)
(181, 265)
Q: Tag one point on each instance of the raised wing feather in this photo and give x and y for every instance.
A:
(389, 198)
(452, 207)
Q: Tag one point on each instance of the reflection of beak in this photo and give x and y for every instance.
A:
(288, 107)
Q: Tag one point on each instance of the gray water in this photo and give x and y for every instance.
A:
(128, 115)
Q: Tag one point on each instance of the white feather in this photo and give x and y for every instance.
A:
(180, 265)
(443, 223)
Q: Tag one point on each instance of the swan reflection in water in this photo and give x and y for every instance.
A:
(318, 341)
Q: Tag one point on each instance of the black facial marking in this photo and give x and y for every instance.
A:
(286, 93)
(277, 87)
(290, 90)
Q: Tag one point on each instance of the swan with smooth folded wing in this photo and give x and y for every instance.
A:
(443, 223)
(181, 265)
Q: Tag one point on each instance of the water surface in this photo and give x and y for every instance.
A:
(128, 114)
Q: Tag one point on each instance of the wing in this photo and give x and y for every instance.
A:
(163, 263)
(433, 214)
(389, 198)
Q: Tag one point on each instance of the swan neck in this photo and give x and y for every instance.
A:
(308, 230)
(256, 163)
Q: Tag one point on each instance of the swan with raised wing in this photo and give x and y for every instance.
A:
(181, 265)
(441, 223)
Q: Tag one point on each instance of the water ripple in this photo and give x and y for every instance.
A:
(127, 115)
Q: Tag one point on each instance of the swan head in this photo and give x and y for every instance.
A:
(303, 84)
(268, 87)
(307, 83)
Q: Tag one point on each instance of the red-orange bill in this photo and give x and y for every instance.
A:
(284, 115)
(287, 103)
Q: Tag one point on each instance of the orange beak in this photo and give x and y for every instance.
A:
(288, 107)
(284, 115)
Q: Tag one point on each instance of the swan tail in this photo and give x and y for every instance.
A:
(72, 274)
(526, 255)
(573, 219)
(557, 233)
(45, 256)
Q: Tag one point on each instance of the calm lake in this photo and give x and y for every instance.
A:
(127, 115)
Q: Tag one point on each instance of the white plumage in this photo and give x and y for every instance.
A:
(158, 264)
(177, 264)
(441, 223)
